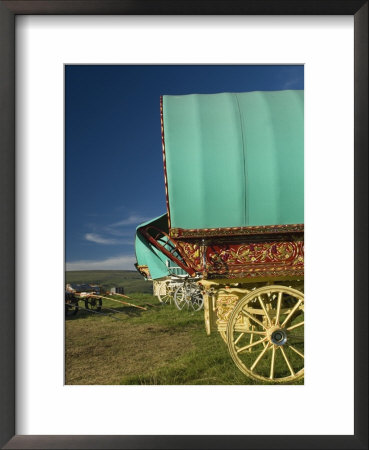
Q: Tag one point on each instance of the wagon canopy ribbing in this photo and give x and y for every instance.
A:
(234, 159)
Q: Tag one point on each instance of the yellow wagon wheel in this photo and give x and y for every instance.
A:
(277, 316)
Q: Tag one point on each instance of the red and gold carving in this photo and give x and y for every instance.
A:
(191, 253)
(258, 253)
(256, 259)
(268, 259)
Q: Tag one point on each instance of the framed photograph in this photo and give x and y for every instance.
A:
(230, 134)
(69, 70)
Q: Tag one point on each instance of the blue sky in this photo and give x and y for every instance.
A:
(113, 162)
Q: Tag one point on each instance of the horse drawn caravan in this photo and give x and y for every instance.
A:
(233, 168)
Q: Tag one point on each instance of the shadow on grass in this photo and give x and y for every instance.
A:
(128, 311)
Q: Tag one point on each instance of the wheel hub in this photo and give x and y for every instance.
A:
(278, 337)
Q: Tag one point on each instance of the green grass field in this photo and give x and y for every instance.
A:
(131, 280)
(158, 346)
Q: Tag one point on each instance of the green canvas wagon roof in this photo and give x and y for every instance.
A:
(234, 159)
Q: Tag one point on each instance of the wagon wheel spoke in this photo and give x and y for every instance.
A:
(252, 332)
(239, 338)
(264, 309)
(296, 351)
(261, 333)
(242, 349)
(259, 357)
(286, 320)
(253, 318)
(279, 302)
(287, 361)
(271, 376)
(296, 338)
(300, 324)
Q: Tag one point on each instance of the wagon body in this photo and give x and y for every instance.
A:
(234, 181)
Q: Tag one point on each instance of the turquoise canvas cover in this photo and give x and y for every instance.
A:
(147, 255)
(234, 159)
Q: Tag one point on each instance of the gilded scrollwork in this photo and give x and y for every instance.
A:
(282, 258)
(144, 271)
(225, 305)
(191, 252)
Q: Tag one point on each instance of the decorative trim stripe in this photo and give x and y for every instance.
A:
(235, 231)
(270, 274)
(164, 160)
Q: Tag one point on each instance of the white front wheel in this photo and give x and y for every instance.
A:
(188, 296)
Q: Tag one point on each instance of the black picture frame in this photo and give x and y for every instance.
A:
(8, 12)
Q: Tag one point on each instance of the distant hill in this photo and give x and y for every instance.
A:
(131, 280)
